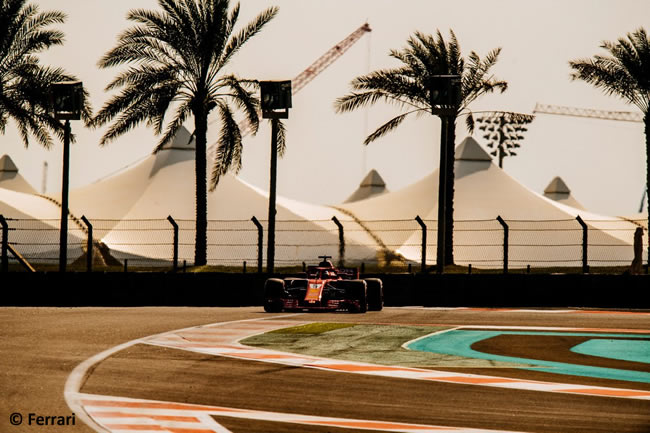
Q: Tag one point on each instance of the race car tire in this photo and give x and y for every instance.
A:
(375, 294)
(362, 293)
(273, 305)
(357, 290)
(273, 294)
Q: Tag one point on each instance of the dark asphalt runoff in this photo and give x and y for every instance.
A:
(42, 346)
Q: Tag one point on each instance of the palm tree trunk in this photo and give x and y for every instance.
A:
(442, 194)
(646, 120)
(201, 241)
(449, 195)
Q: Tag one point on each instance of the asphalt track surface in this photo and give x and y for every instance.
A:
(41, 348)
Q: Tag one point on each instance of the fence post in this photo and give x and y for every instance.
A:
(585, 245)
(260, 244)
(341, 241)
(423, 267)
(5, 244)
(175, 226)
(89, 244)
(505, 243)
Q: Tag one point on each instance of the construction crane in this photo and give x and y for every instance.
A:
(625, 116)
(312, 71)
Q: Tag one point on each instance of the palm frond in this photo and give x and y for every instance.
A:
(25, 31)
(606, 74)
(194, 18)
(624, 73)
(233, 16)
(469, 122)
(145, 86)
(282, 137)
(174, 10)
(141, 44)
(391, 86)
(353, 101)
(229, 146)
(254, 27)
(475, 79)
(245, 99)
(129, 119)
(135, 107)
(454, 59)
(182, 114)
(386, 127)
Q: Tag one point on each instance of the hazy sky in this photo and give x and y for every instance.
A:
(603, 162)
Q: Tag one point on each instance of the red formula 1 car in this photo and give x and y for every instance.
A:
(324, 288)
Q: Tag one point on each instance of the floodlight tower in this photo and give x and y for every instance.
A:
(504, 130)
(67, 102)
(444, 99)
(275, 101)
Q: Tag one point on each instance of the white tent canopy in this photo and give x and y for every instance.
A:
(483, 191)
(11, 179)
(558, 190)
(161, 185)
(371, 185)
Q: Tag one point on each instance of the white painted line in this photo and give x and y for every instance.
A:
(553, 328)
(526, 310)
(204, 413)
(404, 346)
(77, 378)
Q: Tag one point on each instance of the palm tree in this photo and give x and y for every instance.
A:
(625, 72)
(409, 87)
(177, 57)
(24, 84)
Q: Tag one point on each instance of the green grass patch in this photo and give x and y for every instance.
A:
(314, 328)
(377, 344)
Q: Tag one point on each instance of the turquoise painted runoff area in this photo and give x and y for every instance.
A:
(626, 350)
(459, 342)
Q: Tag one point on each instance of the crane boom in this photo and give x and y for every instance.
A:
(302, 79)
(312, 71)
(625, 116)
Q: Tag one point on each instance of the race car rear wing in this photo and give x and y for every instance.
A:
(348, 273)
(344, 273)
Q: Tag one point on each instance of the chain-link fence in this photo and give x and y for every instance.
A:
(478, 243)
(545, 244)
(570, 245)
(37, 241)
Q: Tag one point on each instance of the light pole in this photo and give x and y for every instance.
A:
(275, 101)
(67, 102)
